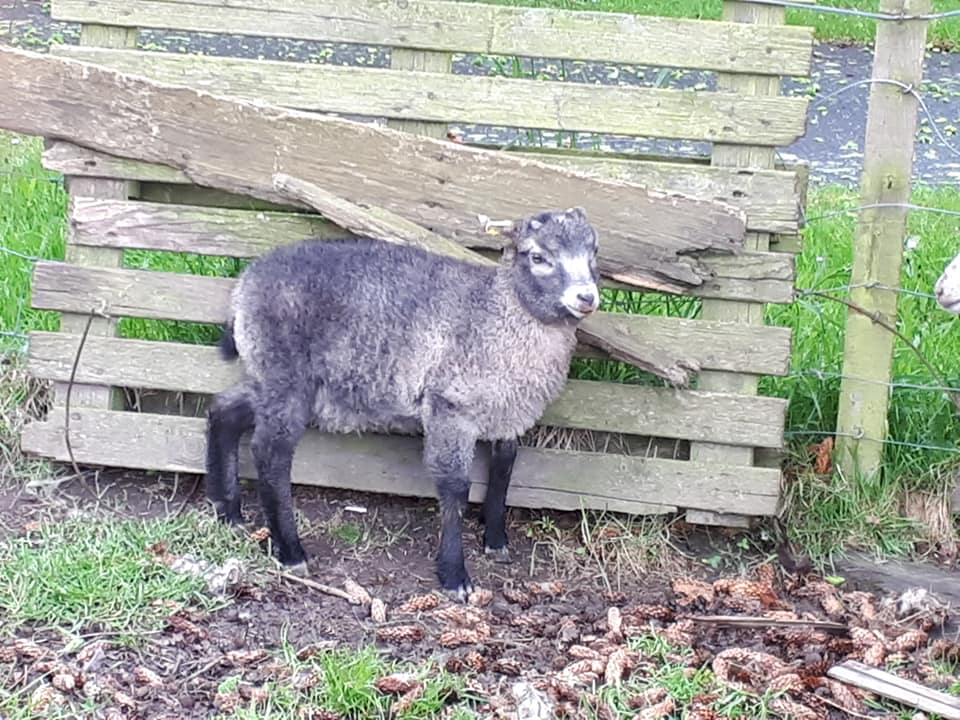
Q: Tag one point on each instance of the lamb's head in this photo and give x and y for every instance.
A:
(947, 288)
(553, 259)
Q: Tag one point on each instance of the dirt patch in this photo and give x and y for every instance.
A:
(550, 618)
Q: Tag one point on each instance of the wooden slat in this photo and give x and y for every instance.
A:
(761, 350)
(762, 277)
(588, 405)
(475, 27)
(542, 478)
(441, 97)
(649, 238)
(907, 692)
(768, 197)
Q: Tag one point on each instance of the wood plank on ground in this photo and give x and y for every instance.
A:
(478, 28)
(123, 292)
(231, 232)
(888, 685)
(392, 464)
(589, 405)
(770, 198)
(648, 238)
(473, 99)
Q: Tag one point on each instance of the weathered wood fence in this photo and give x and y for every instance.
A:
(723, 433)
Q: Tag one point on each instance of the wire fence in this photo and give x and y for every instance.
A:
(17, 319)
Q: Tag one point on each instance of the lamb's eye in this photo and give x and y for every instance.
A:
(537, 259)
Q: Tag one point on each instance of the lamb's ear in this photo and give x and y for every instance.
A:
(576, 212)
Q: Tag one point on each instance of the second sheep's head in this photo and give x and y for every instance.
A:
(553, 261)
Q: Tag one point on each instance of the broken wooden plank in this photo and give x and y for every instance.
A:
(692, 115)
(477, 27)
(769, 198)
(542, 477)
(583, 404)
(762, 350)
(238, 146)
(906, 692)
(371, 221)
(232, 232)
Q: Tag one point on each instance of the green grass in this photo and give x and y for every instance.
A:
(32, 223)
(343, 682)
(76, 573)
(828, 26)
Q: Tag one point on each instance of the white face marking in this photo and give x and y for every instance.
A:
(947, 288)
(577, 268)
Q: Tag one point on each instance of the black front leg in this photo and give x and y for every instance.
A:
(448, 453)
(503, 453)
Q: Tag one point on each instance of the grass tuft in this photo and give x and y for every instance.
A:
(80, 572)
(342, 681)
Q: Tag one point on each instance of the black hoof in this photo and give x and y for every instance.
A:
(455, 581)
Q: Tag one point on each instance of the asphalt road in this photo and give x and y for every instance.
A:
(833, 143)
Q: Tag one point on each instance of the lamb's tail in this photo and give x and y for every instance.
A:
(228, 344)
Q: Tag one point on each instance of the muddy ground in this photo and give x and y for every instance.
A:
(551, 618)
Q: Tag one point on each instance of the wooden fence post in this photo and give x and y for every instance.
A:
(878, 249)
(95, 395)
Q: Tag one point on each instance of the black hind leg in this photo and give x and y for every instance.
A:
(230, 415)
(503, 453)
(281, 422)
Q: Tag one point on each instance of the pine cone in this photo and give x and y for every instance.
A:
(845, 696)
(46, 696)
(378, 611)
(508, 666)
(474, 661)
(420, 603)
(662, 709)
(832, 606)
(642, 613)
(397, 684)
(945, 650)
(794, 710)
(8, 654)
(617, 665)
(27, 648)
(741, 588)
(145, 676)
(480, 598)
(549, 588)
(518, 597)
(245, 657)
(400, 633)
(529, 619)
(788, 682)
(910, 640)
(647, 698)
(358, 595)
(615, 597)
(692, 591)
(64, 681)
(582, 652)
(585, 667)
(874, 655)
(459, 615)
(454, 664)
(407, 700)
(460, 636)
(260, 535)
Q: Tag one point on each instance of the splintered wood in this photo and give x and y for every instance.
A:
(650, 238)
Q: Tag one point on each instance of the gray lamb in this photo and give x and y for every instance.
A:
(363, 335)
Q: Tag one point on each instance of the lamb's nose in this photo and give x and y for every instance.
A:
(587, 298)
